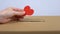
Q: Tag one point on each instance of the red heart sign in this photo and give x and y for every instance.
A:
(28, 10)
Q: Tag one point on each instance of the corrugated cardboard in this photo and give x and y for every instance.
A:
(33, 24)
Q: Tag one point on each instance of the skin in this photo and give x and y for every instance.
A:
(7, 14)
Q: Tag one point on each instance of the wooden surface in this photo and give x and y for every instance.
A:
(35, 23)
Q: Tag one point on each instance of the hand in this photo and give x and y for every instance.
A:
(9, 14)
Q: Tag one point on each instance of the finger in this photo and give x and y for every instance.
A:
(13, 8)
(16, 9)
(17, 17)
(20, 12)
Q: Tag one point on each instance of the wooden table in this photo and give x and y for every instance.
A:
(36, 24)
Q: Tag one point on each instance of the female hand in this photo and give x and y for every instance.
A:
(9, 14)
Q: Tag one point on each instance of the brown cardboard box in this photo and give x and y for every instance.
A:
(34, 24)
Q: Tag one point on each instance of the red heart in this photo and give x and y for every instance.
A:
(28, 10)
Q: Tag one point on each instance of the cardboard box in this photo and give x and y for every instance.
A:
(33, 24)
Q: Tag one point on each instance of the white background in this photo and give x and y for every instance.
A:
(41, 7)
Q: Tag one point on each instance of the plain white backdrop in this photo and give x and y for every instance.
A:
(41, 7)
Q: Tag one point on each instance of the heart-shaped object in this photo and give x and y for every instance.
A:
(28, 10)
